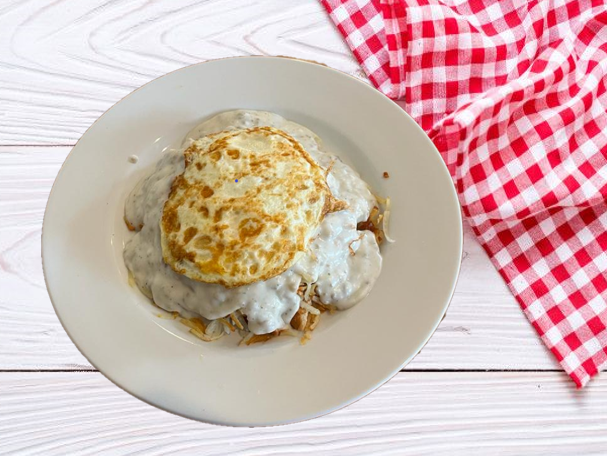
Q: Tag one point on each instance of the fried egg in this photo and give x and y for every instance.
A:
(340, 262)
(245, 208)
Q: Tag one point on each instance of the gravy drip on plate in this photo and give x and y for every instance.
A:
(342, 278)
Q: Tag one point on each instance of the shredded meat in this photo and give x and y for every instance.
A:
(262, 337)
(300, 319)
(312, 322)
(303, 321)
(373, 224)
(367, 225)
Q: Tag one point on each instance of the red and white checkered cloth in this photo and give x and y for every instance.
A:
(513, 94)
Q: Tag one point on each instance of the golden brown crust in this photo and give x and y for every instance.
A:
(312, 322)
(257, 338)
(194, 323)
(212, 233)
(299, 320)
(373, 224)
(128, 224)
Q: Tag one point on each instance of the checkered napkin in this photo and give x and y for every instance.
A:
(513, 94)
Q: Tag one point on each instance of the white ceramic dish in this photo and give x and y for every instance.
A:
(352, 352)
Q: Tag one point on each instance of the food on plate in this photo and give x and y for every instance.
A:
(253, 228)
(245, 207)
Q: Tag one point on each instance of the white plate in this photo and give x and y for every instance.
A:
(351, 353)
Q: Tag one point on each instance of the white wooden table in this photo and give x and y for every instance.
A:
(483, 385)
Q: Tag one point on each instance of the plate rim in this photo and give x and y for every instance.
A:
(371, 389)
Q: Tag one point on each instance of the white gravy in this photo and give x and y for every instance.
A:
(342, 279)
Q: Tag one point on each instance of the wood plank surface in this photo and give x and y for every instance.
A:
(414, 414)
(63, 63)
(484, 384)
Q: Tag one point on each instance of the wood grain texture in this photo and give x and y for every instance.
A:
(414, 414)
(484, 327)
(63, 63)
